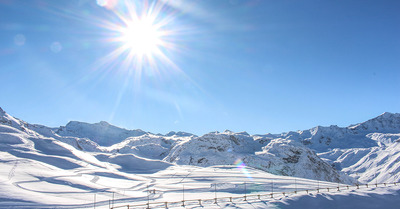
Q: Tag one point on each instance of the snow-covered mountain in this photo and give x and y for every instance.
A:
(102, 133)
(384, 123)
(324, 153)
(366, 152)
(373, 164)
(282, 157)
(322, 139)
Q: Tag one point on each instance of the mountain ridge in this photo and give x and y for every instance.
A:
(295, 153)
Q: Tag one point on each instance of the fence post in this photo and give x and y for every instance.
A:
(245, 192)
(200, 202)
(338, 185)
(94, 201)
(113, 200)
(166, 204)
(183, 196)
(215, 191)
(272, 188)
(148, 197)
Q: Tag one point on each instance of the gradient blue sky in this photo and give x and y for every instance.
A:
(245, 65)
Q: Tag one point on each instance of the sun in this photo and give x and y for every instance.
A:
(142, 37)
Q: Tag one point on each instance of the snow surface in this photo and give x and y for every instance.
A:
(68, 167)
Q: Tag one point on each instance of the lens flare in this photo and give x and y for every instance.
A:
(242, 167)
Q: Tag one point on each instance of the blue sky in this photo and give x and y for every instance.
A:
(245, 65)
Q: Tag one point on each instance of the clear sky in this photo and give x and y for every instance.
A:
(201, 65)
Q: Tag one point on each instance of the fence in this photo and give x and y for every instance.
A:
(249, 197)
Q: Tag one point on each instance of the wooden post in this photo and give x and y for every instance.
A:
(215, 191)
(245, 192)
(272, 188)
(113, 200)
(148, 197)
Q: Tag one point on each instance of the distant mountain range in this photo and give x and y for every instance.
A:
(368, 151)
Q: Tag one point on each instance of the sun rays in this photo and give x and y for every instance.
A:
(143, 37)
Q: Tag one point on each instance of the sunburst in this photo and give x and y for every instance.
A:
(143, 36)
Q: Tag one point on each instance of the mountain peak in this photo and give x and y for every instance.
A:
(228, 132)
(179, 133)
(104, 123)
(388, 115)
(102, 132)
(385, 122)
